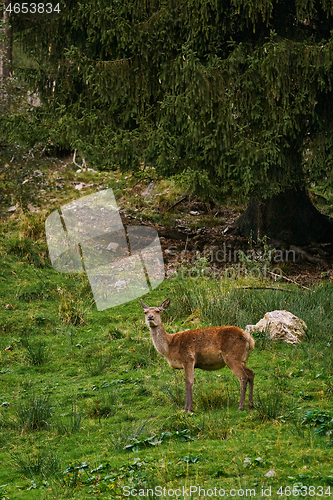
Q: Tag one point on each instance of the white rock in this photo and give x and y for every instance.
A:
(281, 325)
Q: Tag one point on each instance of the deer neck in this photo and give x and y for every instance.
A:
(160, 339)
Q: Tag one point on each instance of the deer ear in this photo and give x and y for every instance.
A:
(143, 304)
(165, 305)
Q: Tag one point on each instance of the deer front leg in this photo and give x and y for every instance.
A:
(189, 378)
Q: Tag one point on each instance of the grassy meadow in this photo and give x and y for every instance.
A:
(89, 409)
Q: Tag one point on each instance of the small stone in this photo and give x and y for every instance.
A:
(112, 246)
(13, 208)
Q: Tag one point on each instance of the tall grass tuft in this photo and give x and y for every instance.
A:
(71, 308)
(214, 394)
(173, 393)
(35, 414)
(32, 226)
(270, 406)
(125, 433)
(41, 463)
(37, 353)
(99, 364)
(215, 428)
(69, 424)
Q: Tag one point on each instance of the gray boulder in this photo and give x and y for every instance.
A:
(281, 325)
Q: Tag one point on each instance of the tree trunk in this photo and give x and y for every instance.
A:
(6, 55)
(289, 216)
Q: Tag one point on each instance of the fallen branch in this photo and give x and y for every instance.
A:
(288, 279)
(264, 288)
(304, 255)
(177, 203)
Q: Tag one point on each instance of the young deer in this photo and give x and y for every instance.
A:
(205, 348)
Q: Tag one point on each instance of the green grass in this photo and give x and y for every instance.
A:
(87, 406)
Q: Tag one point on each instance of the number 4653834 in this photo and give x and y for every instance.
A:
(32, 8)
(304, 491)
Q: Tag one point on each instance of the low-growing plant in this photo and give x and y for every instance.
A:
(114, 333)
(320, 421)
(107, 479)
(157, 439)
(32, 293)
(263, 340)
(196, 268)
(329, 387)
(125, 433)
(73, 475)
(70, 332)
(29, 251)
(104, 405)
(99, 364)
(257, 258)
(250, 463)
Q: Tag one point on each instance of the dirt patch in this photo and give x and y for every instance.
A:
(221, 245)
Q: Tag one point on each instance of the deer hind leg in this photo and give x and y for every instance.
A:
(250, 375)
(243, 375)
(189, 378)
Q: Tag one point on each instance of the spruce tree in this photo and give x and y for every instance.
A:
(235, 94)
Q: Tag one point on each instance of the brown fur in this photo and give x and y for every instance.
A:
(205, 348)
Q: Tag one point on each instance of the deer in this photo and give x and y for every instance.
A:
(209, 349)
